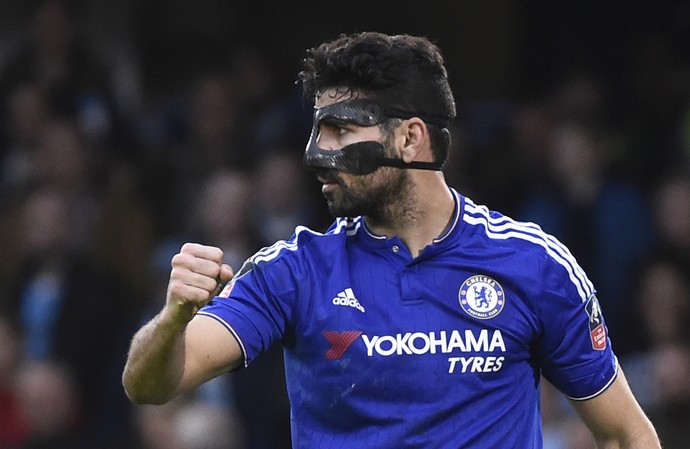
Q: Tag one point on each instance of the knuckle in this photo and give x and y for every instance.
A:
(188, 247)
(199, 296)
(176, 286)
(176, 273)
(179, 259)
(218, 254)
(184, 293)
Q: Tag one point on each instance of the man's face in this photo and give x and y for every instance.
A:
(349, 195)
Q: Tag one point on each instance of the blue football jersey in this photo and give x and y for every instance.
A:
(445, 350)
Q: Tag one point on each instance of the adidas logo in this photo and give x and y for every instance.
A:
(347, 298)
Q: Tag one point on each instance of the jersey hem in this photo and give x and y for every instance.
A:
(232, 331)
(604, 388)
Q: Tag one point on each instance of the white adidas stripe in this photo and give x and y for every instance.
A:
(502, 223)
(562, 249)
(496, 227)
(352, 225)
(536, 230)
(273, 251)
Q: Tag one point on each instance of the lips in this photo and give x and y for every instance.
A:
(329, 181)
(328, 187)
(328, 178)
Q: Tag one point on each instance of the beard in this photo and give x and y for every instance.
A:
(378, 195)
(383, 196)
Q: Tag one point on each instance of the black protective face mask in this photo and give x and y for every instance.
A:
(359, 158)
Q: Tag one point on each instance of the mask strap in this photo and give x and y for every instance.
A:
(399, 163)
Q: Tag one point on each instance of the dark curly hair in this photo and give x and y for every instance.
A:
(402, 72)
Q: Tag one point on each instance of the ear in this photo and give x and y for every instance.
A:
(415, 140)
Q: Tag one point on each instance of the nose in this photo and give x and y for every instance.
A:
(324, 141)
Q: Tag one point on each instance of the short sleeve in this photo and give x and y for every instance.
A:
(574, 349)
(252, 309)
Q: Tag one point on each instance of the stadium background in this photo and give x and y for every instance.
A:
(129, 127)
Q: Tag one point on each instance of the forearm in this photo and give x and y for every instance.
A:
(155, 363)
(171, 354)
(644, 437)
(616, 419)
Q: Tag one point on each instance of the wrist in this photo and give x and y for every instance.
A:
(176, 317)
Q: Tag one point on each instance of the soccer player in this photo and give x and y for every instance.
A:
(420, 319)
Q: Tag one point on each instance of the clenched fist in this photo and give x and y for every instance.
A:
(198, 273)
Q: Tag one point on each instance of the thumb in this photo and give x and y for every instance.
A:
(226, 273)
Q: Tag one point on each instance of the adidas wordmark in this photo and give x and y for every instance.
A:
(347, 298)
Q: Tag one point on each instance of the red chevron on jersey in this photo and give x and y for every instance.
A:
(339, 341)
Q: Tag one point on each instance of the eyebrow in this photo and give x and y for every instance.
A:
(334, 121)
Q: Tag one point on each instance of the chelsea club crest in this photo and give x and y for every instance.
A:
(481, 297)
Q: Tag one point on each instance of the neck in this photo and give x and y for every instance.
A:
(422, 213)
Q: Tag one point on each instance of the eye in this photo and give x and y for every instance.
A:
(334, 127)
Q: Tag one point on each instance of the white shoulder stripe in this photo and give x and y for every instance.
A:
(532, 227)
(504, 228)
(278, 247)
(353, 227)
(500, 224)
(341, 224)
(273, 251)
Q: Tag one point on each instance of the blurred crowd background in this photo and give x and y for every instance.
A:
(130, 127)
